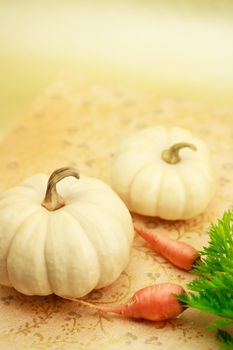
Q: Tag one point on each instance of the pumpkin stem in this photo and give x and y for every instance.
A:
(172, 156)
(54, 200)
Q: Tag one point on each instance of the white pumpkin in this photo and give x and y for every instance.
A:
(164, 172)
(67, 244)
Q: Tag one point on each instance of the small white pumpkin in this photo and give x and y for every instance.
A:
(164, 172)
(69, 243)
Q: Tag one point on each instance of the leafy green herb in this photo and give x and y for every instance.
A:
(225, 340)
(212, 291)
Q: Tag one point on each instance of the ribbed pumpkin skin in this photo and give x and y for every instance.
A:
(150, 186)
(69, 251)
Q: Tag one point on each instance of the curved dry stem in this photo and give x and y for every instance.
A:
(171, 155)
(54, 200)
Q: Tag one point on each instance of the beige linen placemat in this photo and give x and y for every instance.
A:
(80, 124)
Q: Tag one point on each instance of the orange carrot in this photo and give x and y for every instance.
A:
(154, 303)
(178, 253)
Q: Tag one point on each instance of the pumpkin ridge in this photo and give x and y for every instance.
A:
(159, 192)
(13, 238)
(54, 283)
(184, 187)
(91, 243)
(71, 199)
(45, 259)
(200, 170)
(105, 208)
(108, 211)
(123, 180)
(167, 142)
(100, 212)
(187, 191)
(13, 196)
(132, 180)
(40, 186)
(14, 208)
(4, 202)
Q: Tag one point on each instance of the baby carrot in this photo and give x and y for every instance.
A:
(154, 303)
(178, 253)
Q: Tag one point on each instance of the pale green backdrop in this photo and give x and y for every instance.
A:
(177, 48)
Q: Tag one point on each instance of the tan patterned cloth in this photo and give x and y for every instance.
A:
(80, 124)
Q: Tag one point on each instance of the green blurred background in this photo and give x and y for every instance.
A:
(174, 48)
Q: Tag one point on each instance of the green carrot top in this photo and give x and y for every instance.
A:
(212, 291)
